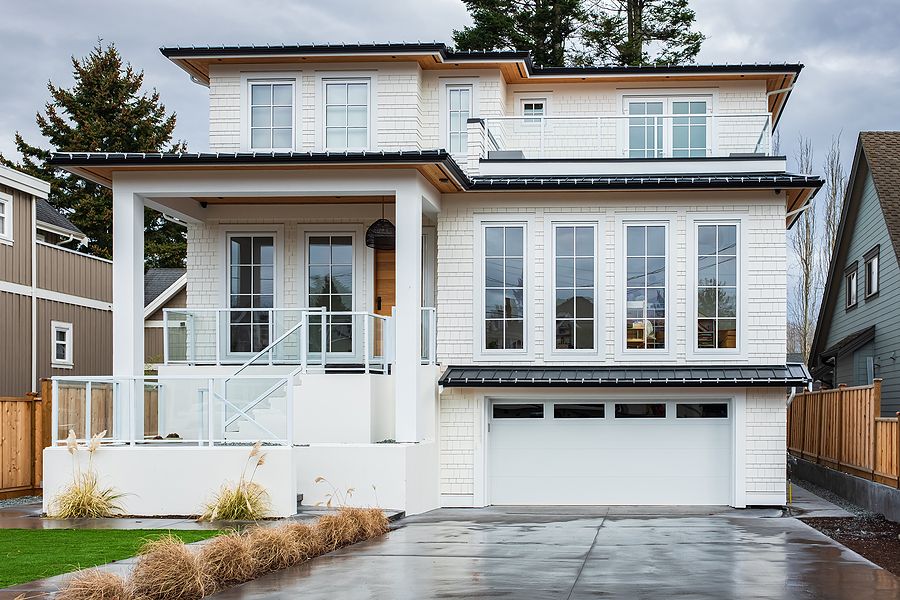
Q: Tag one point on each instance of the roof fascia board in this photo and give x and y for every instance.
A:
(56, 229)
(24, 182)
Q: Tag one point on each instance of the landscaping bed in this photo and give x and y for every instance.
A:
(871, 536)
(29, 554)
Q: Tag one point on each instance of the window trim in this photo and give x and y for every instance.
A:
(869, 257)
(270, 76)
(481, 221)
(550, 350)
(444, 107)
(6, 234)
(68, 362)
(527, 120)
(852, 270)
(322, 103)
(667, 97)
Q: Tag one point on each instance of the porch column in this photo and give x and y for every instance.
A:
(408, 312)
(128, 283)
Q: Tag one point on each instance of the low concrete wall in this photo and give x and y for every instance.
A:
(872, 496)
(175, 480)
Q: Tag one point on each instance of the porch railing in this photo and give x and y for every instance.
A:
(631, 136)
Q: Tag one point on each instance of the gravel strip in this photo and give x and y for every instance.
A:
(20, 501)
(834, 499)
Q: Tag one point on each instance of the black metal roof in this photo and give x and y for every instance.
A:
(45, 213)
(788, 375)
(668, 181)
(157, 281)
(850, 342)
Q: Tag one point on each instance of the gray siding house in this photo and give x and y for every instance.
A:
(858, 333)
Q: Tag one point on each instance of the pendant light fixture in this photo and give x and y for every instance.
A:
(381, 235)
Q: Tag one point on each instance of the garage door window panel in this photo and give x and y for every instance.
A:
(518, 411)
(702, 410)
(641, 410)
(579, 411)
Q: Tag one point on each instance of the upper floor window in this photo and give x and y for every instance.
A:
(645, 287)
(717, 290)
(459, 105)
(272, 116)
(668, 127)
(504, 287)
(574, 301)
(347, 114)
(533, 109)
(850, 281)
(6, 216)
(61, 344)
(872, 273)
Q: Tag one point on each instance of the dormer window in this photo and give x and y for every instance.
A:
(347, 114)
(272, 115)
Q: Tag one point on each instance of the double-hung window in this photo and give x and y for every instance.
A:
(504, 287)
(6, 216)
(645, 287)
(850, 283)
(574, 288)
(717, 286)
(871, 271)
(251, 291)
(668, 127)
(347, 114)
(459, 107)
(61, 344)
(272, 115)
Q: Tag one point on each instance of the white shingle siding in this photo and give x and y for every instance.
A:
(457, 436)
(766, 442)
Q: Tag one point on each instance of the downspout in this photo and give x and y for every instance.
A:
(33, 241)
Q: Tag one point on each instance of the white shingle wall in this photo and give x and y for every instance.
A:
(457, 435)
(224, 111)
(766, 441)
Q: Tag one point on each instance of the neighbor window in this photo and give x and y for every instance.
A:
(330, 269)
(871, 271)
(459, 106)
(850, 280)
(574, 314)
(717, 295)
(5, 216)
(645, 286)
(504, 287)
(61, 344)
(272, 116)
(347, 115)
(251, 291)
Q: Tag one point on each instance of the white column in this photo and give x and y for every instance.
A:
(128, 282)
(408, 313)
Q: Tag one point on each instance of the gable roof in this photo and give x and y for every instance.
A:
(50, 219)
(878, 155)
(159, 281)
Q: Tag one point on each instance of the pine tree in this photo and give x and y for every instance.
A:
(104, 111)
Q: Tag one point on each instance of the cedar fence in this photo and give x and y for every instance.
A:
(843, 429)
(24, 433)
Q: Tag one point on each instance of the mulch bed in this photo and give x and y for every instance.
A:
(873, 537)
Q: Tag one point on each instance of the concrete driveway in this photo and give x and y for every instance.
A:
(575, 553)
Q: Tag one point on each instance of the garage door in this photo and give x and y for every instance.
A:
(570, 452)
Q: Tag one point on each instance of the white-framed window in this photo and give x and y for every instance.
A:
(61, 345)
(459, 109)
(533, 108)
(6, 216)
(677, 127)
(503, 286)
(851, 283)
(717, 301)
(645, 286)
(330, 285)
(272, 115)
(347, 108)
(574, 287)
(251, 290)
(871, 271)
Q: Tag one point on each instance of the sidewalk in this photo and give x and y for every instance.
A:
(806, 504)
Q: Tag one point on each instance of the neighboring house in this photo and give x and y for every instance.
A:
(858, 333)
(585, 302)
(164, 288)
(55, 303)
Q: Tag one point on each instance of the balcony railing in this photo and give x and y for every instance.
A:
(629, 136)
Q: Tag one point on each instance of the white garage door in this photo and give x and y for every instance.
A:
(571, 452)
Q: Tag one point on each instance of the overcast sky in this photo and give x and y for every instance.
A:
(851, 50)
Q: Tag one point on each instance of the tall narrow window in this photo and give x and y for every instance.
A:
(330, 269)
(645, 129)
(504, 287)
(61, 344)
(689, 131)
(574, 284)
(272, 116)
(871, 270)
(346, 115)
(850, 281)
(251, 291)
(5, 217)
(459, 105)
(645, 287)
(717, 286)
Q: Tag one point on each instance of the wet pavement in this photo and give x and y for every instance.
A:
(579, 553)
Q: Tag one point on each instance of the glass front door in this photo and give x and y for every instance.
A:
(330, 286)
(251, 292)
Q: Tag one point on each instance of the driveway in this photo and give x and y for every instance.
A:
(575, 553)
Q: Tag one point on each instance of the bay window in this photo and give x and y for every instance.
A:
(717, 286)
(504, 287)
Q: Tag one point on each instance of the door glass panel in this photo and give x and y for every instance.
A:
(518, 411)
(645, 129)
(459, 104)
(330, 285)
(251, 287)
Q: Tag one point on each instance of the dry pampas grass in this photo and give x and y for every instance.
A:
(168, 570)
(244, 501)
(309, 542)
(226, 560)
(95, 585)
(84, 497)
(273, 548)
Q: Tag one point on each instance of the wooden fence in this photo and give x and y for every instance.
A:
(843, 429)
(24, 433)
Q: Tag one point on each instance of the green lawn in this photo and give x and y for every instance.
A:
(29, 554)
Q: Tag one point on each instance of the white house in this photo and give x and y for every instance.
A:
(586, 304)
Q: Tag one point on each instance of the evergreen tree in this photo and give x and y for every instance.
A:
(104, 111)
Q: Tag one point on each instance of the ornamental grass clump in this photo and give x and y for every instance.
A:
(168, 570)
(307, 538)
(84, 497)
(226, 560)
(244, 501)
(95, 584)
(273, 548)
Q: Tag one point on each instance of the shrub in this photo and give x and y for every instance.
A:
(226, 560)
(84, 497)
(95, 584)
(244, 501)
(167, 570)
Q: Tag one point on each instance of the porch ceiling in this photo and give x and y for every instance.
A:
(230, 200)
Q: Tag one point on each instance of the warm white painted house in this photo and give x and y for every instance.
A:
(586, 304)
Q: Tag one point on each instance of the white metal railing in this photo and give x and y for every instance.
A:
(631, 136)
(152, 410)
